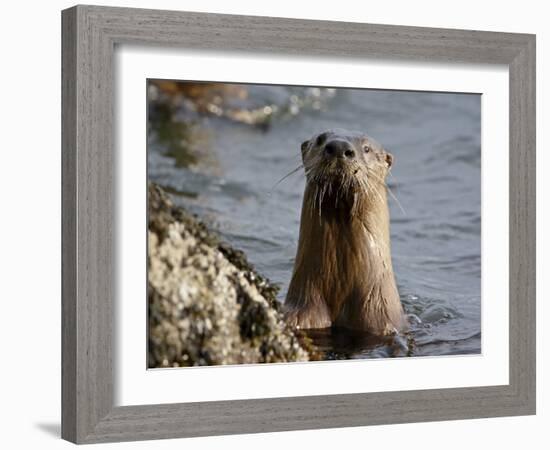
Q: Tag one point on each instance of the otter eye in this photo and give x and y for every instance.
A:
(366, 148)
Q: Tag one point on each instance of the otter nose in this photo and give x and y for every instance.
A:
(339, 149)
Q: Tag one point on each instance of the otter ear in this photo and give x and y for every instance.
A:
(389, 159)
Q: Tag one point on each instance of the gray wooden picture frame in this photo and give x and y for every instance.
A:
(90, 34)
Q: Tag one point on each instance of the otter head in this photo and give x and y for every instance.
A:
(346, 167)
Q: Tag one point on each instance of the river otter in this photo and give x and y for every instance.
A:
(343, 273)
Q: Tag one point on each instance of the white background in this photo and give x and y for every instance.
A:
(31, 208)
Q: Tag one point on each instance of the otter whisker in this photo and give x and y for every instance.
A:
(321, 194)
(394, 196)
(314, 202)
(292, 172)
(396, 201)
(377, 192)
(323, 191)
(391, 194)
(371, 188)
(354, 204)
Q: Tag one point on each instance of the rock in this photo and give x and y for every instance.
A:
(207, 304)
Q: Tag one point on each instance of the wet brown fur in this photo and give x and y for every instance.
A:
(343, 273)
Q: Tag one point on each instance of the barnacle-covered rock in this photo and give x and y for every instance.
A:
(207, 304)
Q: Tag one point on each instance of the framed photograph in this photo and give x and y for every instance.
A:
(278, 224)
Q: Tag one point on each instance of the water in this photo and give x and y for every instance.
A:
(436, 244)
